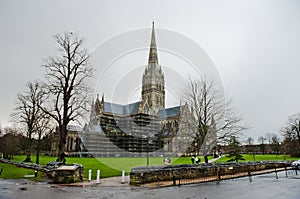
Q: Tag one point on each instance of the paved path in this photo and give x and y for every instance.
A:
(214, 159)
(113, 181)
(263, 186)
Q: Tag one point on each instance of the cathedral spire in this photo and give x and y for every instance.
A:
(153, 88)
(153, 50)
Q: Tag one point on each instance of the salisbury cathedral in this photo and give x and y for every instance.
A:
(134, 129)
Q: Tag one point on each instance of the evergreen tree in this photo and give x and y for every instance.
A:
(234, 149)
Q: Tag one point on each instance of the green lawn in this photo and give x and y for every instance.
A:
(187, 160)
(88, 163)
(113, 166)
(109, 166)
(43, 159)
(13, 172)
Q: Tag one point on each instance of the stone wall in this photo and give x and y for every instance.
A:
(67, 174)
(207, 172)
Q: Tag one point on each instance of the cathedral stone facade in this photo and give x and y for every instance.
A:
(139, 128)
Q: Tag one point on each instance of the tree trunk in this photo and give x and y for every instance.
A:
(37, 161)
(28, 150)
(27, 159)
(205, 159)
(62, 143)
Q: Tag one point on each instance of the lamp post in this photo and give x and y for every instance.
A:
(142, 120)
(149, 141)
(148, 150)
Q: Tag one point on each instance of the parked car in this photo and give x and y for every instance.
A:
(296, 164)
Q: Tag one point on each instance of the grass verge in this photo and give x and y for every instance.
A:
(14, 172)
(110, 167)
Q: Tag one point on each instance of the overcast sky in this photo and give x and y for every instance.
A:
(254, 45)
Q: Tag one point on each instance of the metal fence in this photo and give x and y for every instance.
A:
(233, 175)
(190, 174)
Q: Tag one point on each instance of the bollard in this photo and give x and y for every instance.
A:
(286, 175)
(123, 177)
(90, 174)
(276, 173)
(249, 174)
(98, 176)
(218, 176)
(35, 173)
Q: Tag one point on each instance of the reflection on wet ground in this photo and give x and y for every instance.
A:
(262, 186)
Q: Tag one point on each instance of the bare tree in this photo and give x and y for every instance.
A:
(29, 114)
(10, 143)
(43, 128)
(262, 140)
(268, 137)
(43, 124)
(26, 112)
(250, 142)
(275, 144)
(212, 118)
(291, 134)
(67, 88)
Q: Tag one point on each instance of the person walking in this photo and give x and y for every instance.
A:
(167, 161)
(197, 160)
(193, 160)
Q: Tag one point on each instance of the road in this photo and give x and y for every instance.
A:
(263, 186)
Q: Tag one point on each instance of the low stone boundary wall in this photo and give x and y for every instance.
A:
(190, 173)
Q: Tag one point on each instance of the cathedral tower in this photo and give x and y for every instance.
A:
(153, 88)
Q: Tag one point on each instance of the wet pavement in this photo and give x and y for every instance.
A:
(262, 186)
